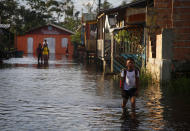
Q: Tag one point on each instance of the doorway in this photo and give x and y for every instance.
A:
(51, 44)
(30, 45)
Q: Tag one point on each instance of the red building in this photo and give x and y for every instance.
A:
(58, 38)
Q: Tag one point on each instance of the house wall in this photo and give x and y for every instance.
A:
(170, 25)
(37, 38)
(90, 36)
(135, 15)
(160, 67)
(181, 25)
(100, 49)
(101, 36)
(159, 20)
(91, 46)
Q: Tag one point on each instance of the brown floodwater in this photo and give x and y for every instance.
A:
(67, 95)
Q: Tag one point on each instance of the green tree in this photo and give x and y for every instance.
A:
(55, 7)
(71, 20)
(20, 18)
(88, 6)
(103, 6)
(53, 10)
(77, 15)
(7, 11)
(69, 12)
(70, 23)
(123, 2)
(37, 5)
(76, 38)
(106, 5)
(8, 15)
(29, 19)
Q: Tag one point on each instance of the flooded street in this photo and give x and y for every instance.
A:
(67, 95)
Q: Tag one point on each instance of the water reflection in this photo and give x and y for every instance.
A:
(69, 95)
(130, 121)
(176, 110)
(152, 97)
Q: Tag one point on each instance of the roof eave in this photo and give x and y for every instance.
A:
(62, 28)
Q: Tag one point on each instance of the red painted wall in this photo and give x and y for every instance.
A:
(22, 43)
(38, 37)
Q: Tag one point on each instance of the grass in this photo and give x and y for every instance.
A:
(145, 77)
(178, 86)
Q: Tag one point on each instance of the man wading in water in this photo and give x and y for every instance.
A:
(129, 84)
(39, 53)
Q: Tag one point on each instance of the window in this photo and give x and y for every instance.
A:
(64, 42)
(112, 20)
(153, 45)
(49, 27)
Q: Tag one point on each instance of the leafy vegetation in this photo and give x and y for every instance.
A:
(89, 7)
(130, 42)
(178, 86)
(105, 5)
(123, 3)
(145, 77)
(76, 38)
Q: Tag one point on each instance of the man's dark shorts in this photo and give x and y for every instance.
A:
(128, 93)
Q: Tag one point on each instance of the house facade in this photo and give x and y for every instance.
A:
(116, 28)
(58, 38)
(164, 30)
(168, 41)
(89, 32)
(106, 22)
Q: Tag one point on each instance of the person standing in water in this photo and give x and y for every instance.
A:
(45, 53)
(67, 51)
(39, 53)
(45, 42)
(129, 84)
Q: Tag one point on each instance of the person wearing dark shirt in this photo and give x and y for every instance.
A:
(39, 53)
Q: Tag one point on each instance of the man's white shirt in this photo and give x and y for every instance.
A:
(130, 80)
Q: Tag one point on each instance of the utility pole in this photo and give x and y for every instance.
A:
(99, 4)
